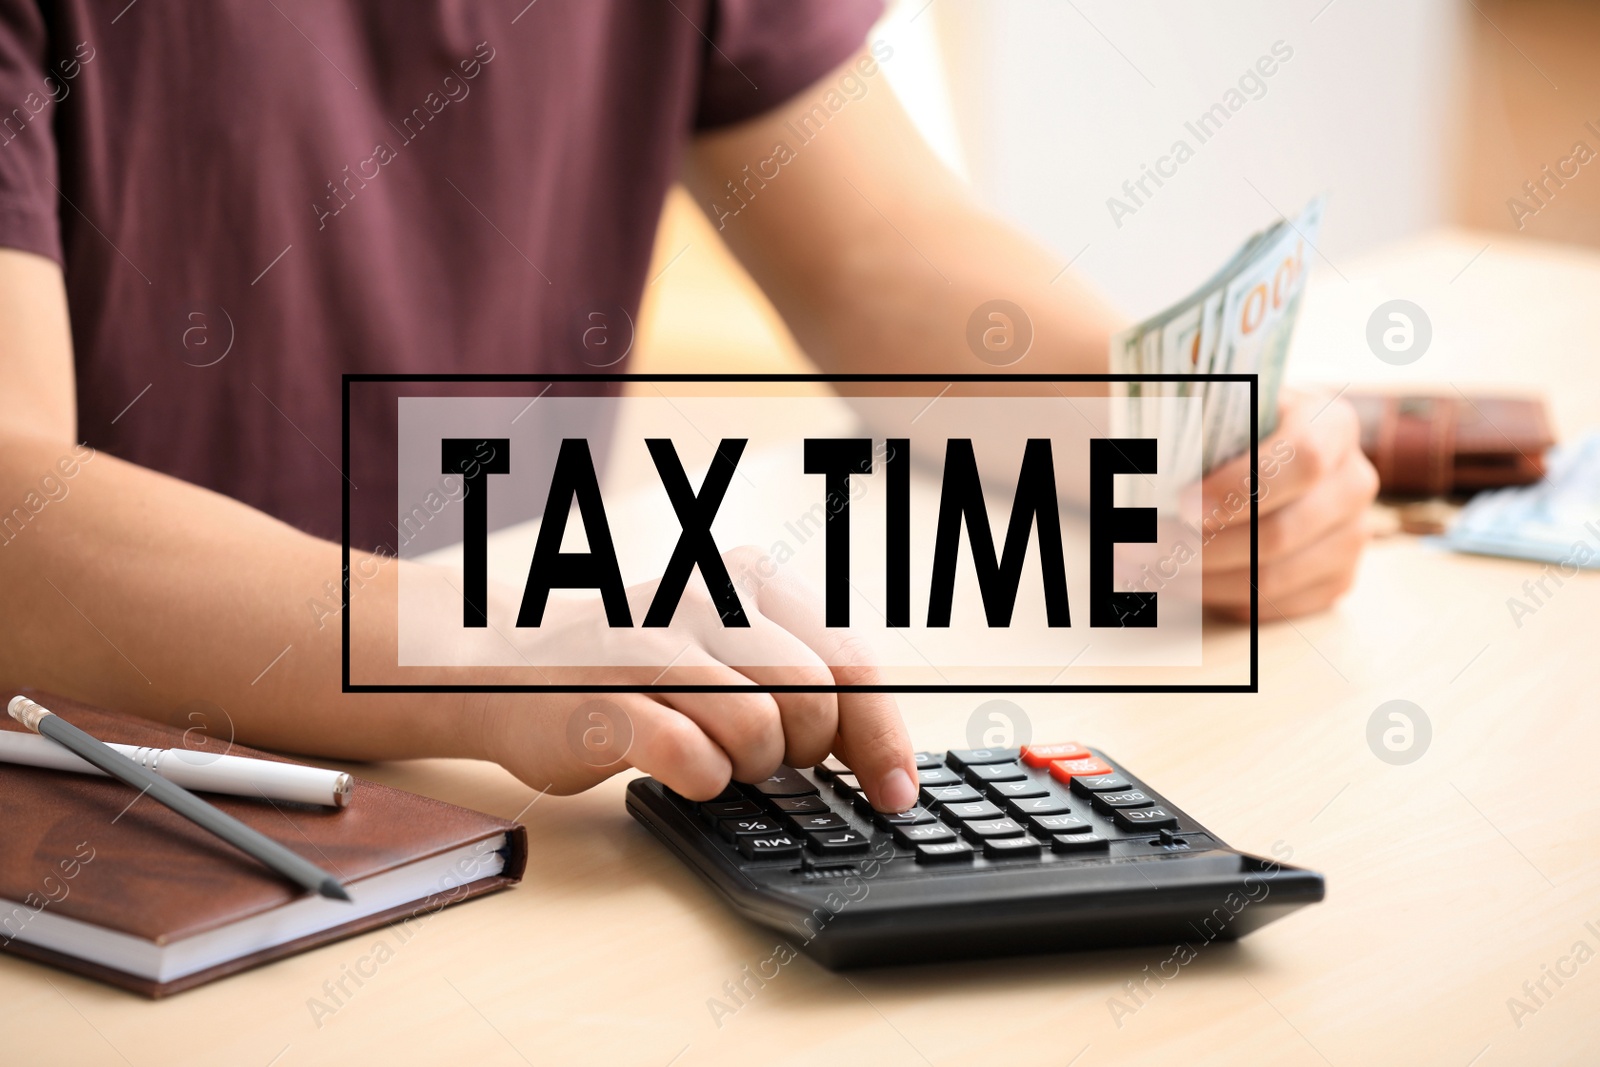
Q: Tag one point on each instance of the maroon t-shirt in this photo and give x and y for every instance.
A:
(251, 198)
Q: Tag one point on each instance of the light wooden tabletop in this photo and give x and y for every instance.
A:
(1452, 880)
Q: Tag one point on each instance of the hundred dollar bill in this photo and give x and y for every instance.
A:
(1240, 320)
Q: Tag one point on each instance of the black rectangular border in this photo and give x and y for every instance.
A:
(1254, 685)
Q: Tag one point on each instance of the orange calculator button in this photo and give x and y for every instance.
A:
(1044, 755)
(1065, 770)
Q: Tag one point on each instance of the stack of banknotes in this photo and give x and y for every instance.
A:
(1238, 322)
(1556, 521)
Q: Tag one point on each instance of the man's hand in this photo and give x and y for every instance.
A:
(1315, 486)
(697, 742)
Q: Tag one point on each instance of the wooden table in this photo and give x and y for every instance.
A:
(1452, 881)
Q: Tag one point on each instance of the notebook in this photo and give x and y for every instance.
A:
(137, 896)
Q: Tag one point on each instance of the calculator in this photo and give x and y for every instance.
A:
(1043, 848)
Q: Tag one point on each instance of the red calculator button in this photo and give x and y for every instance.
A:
(1065, 770)
(1044, 755)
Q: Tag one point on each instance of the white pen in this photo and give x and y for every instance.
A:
(204, 771)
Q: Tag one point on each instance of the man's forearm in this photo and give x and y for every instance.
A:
(136, 591)
(902, 309)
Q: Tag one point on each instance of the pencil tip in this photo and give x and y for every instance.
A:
(333, 889)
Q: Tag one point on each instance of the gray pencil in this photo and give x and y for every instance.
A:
(252, 842)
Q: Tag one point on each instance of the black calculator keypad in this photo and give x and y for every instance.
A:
(983, 805)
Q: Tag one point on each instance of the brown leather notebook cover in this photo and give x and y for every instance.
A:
(1436, 445)
(156, 876)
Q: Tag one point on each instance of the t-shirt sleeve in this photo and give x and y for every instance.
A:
(760, 53)
(28, 199)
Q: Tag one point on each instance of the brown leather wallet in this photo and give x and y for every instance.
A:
(1436, 445)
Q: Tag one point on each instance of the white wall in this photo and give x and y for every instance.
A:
(1057, 102)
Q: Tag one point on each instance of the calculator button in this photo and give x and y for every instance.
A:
(732, 810)
(1028, 787)
(953, 794)
(938, 776)
(1067, 769)
(1113, 782)
(944, 852)
(1051, 825)
(973, 757)
(1051, 805)
(977, 809)
(1044, 755)
(830, 767)
(733, 829)
(909, 817)
(771, 847)
(1078, 843)
(860, 802)
(837, 842)
(784, 782)
(846, 783)
(799, 805)
(1105, 801)
(983, 829)
(928, 833)
(984, 773)
(825, 821)
(929, 760)
(1008, 847)
(1144, 818)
